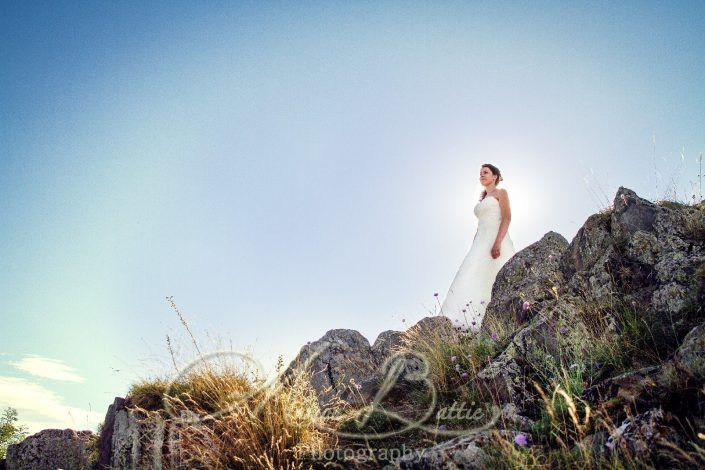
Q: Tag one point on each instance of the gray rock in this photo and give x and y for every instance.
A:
(141, 440)
(343, 360)
(641, 436)
(387, 343)
(632, 214)
(503, 379)
(50, 449)
(641, 251)
(641, 388)
(530, 275)
(649, 386)
(511, 418)
(106, 434)
(583, 261)
(557, 329)
(690, 356)
(463, 452)
(436, 328)
(337, 361)
(126, 440)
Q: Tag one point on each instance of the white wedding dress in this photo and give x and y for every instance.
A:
(472, 287)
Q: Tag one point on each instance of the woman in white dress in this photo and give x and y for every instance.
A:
(471, 289)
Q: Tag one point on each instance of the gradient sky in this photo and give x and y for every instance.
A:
(282, 170)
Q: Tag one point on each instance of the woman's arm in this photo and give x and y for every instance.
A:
(506, 214)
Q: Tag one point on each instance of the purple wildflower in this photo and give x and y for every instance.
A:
(482, 302)
(442, 427)
(473, 322)
(525, 306)
(464, 310)
(563, 330)
(464, 375)
(521, 440)
(457, 367)
(597, 365)
(453, 358)
(358, 386)
(494, 336)
(435, 294)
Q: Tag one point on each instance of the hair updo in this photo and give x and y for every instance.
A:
(495, 171)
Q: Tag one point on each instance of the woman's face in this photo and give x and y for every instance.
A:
(486, 176)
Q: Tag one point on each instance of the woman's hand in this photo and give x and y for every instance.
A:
(495, 251)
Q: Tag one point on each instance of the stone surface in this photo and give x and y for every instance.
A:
(461, 452)
(649, 386)
(50, 449)
(642, 436)
(643, 251)
(342, 360)
(126, 443)
(529, 276)
(503, 379)
(690, 356)
(338, 360)
(106, 434)
(386, 344)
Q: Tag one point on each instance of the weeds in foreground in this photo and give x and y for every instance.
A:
(571, 435)
(215, 415)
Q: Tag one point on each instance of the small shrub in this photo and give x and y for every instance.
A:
(10, 433)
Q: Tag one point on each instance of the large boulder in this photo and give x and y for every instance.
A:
(50, 449)
(555, 333)
(386, 344)
(134, 438)
(531, 275)
(127, 445)
(342, 363)
(338, 361)
(105, 445)
(645, 252)
(583, 262)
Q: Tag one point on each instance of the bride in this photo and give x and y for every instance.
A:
(471, 289)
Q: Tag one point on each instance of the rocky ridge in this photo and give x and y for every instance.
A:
(651, 257)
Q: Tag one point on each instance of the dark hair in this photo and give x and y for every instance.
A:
(495, 171)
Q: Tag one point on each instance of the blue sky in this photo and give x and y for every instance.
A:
(285, 169)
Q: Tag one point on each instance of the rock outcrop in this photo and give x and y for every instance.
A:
(343, 364)
(549, 298)
(50, 449)
(530, 276)
(644, 252)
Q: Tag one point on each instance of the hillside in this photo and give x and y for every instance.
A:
(591, 355)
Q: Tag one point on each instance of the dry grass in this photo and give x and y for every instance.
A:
(217, 416)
